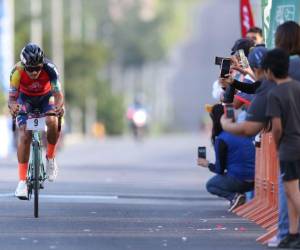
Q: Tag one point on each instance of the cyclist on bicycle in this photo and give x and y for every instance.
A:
(34, 85)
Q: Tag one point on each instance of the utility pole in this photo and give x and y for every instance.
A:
(76, 19)
(57, 38)
(36, 27)
(90, 25)
(6, 42)
(6, 64)
(11, 27)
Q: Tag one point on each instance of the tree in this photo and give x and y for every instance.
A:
(129, 42)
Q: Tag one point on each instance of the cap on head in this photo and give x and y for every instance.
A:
(256, 55)
(244, 44)
(32, 55)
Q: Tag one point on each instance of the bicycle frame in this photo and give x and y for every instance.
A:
(36, 158)
(36, 174)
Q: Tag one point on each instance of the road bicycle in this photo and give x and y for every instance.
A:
(36, 173)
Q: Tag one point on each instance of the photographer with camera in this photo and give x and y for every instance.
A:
(234, 166)
(231, 99)
(255, 118)
(224, 63)
(240, 51)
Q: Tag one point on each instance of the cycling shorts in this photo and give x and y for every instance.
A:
(43, 104)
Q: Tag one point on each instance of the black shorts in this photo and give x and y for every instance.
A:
(290, 170)
(43, 103)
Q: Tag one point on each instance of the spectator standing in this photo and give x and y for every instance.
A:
(283, 108)
(287, 37)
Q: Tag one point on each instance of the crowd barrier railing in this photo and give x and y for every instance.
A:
(263, 208)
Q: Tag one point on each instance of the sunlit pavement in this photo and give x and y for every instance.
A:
(120, 194)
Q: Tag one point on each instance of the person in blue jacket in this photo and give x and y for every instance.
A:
(235, 163)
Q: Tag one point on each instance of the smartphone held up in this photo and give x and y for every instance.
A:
(242, 59)
(225, 67)
(229, 111)
(202, 152)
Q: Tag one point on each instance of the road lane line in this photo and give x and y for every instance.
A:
(7, 195)
(120, 199)
(81, 197)
(74, 197)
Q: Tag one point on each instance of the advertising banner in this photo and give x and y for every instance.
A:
(247, 20)
(276, 12)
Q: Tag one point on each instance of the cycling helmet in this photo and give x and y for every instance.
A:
(32, 55)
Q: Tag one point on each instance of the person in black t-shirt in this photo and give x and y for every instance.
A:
(287, 37)
(283, 108)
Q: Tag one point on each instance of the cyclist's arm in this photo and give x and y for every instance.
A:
(58, 99)
(55, 84)
(15, 77)
(58, 96)
(57, 92)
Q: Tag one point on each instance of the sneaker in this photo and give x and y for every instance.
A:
(295, 244)
(238, 200)
(274, 242)
(290, 241)
(51, 169)
(22, 190)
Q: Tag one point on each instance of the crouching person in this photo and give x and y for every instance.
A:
(234, 166)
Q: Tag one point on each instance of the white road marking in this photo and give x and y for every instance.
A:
(7, 195)
(69, 197)
(120, 199)
(80, 197)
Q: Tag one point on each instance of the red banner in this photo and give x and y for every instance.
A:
(247, 20)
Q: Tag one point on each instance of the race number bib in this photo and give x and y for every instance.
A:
(36, 124)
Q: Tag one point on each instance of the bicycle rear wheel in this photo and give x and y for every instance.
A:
(36, 177)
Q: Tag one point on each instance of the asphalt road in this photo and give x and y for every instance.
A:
(119, 194)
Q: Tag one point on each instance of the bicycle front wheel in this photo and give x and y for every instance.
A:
(36, 177)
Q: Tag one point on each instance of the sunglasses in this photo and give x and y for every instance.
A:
(33, 68)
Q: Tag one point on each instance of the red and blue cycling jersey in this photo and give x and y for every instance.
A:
(34, 93)
(46, 82)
